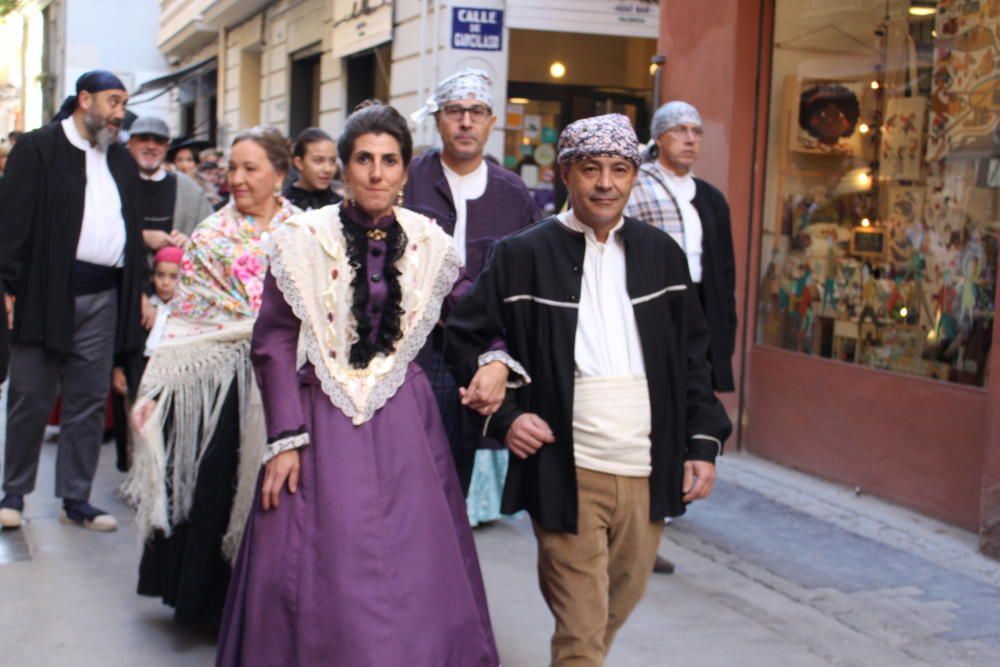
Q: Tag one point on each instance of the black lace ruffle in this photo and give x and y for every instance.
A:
(390, 323)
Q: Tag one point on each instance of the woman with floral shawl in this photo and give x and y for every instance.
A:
(200, 433)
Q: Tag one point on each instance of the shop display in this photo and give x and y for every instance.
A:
(881, 248)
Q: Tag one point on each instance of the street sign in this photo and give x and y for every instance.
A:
(476, 29)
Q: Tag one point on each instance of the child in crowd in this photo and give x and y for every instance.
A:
(166, 270)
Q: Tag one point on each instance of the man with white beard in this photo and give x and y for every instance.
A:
(72, 264)
(172, 205)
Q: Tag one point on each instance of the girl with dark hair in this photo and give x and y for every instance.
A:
(315, 159)
(357, 550)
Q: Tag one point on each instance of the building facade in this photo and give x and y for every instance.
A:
(299, 63)
(858, 145)
(45, 45)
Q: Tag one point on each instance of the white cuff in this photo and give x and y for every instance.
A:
(522, 378)
(285, 444)
(718, 443)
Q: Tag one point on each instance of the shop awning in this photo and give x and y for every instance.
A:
(177, 77)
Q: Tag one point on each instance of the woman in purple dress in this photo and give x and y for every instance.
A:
(358, 552)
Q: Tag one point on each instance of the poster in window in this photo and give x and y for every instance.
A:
(902, 132)
(826, 117)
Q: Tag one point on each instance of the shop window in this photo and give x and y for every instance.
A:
(883, 183)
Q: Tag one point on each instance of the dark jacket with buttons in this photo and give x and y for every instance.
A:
(529, 294)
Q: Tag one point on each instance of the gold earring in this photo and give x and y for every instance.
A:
(399, 198)
(348, 199)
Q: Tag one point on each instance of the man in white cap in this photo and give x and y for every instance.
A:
(476, 202)
(695, 214)
(172, 204)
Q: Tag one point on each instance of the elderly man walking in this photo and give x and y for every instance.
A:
(619, 426)
(71, 259)
(667, 195)
(476, 202)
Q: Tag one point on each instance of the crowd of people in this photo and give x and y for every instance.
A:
(330, 358)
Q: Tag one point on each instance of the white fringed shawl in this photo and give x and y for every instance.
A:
(205, 348)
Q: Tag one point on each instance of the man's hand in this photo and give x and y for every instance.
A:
(141, 413)
(148, 313)
(155, 239)
(487, 389)
(9, 302)
(699, 476)
(283, 467)
(118, 381)
(178, 238)
(527, 435)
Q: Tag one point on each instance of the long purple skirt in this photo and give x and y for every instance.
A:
(371, 562)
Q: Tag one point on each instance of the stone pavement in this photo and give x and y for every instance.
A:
(776, 568)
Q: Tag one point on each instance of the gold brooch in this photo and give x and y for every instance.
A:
(376, 234)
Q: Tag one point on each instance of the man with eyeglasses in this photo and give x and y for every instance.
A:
(695, 214)
(477, 202)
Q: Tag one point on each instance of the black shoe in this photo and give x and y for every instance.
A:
(82, 513)
(663, 566)
(11, 508)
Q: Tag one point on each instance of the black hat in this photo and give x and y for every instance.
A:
(195, 145)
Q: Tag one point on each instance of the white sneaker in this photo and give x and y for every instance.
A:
(83, 514)
(10, 518)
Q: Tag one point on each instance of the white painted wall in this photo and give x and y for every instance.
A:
(117, 35)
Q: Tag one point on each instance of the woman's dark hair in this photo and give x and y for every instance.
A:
(272, 141)
(817, 97)
(373, 117)
(308, 136)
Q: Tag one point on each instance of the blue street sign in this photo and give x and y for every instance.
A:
(476, 29)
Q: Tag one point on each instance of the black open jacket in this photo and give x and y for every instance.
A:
(41, 213)
(529, 295)
(718, 281)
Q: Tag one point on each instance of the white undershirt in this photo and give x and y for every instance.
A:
(607, 337)
(463, 188)
(683, 189)
(159, 325)
(611, 409)
(102, 234)
(157, 175)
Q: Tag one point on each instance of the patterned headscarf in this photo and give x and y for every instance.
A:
(466, 84)
(610, 135)
(672, 114)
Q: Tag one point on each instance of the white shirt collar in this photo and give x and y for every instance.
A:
(74, 136)
(160, 174)
(569, 219)
(672, 175)
(474, 175)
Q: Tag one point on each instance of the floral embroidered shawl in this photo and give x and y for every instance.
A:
(204, 349)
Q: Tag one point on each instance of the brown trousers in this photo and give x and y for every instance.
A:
(593, 580)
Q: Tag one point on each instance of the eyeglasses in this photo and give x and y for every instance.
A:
(478, 113)
(682, 131)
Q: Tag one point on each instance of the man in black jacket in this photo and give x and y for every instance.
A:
(71, 260)
(618, 426)
(695, 214)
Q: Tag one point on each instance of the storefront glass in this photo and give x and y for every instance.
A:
(883, 183)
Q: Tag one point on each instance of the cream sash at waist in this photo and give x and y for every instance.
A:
(612, 424)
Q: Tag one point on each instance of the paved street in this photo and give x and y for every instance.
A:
(777, 569)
